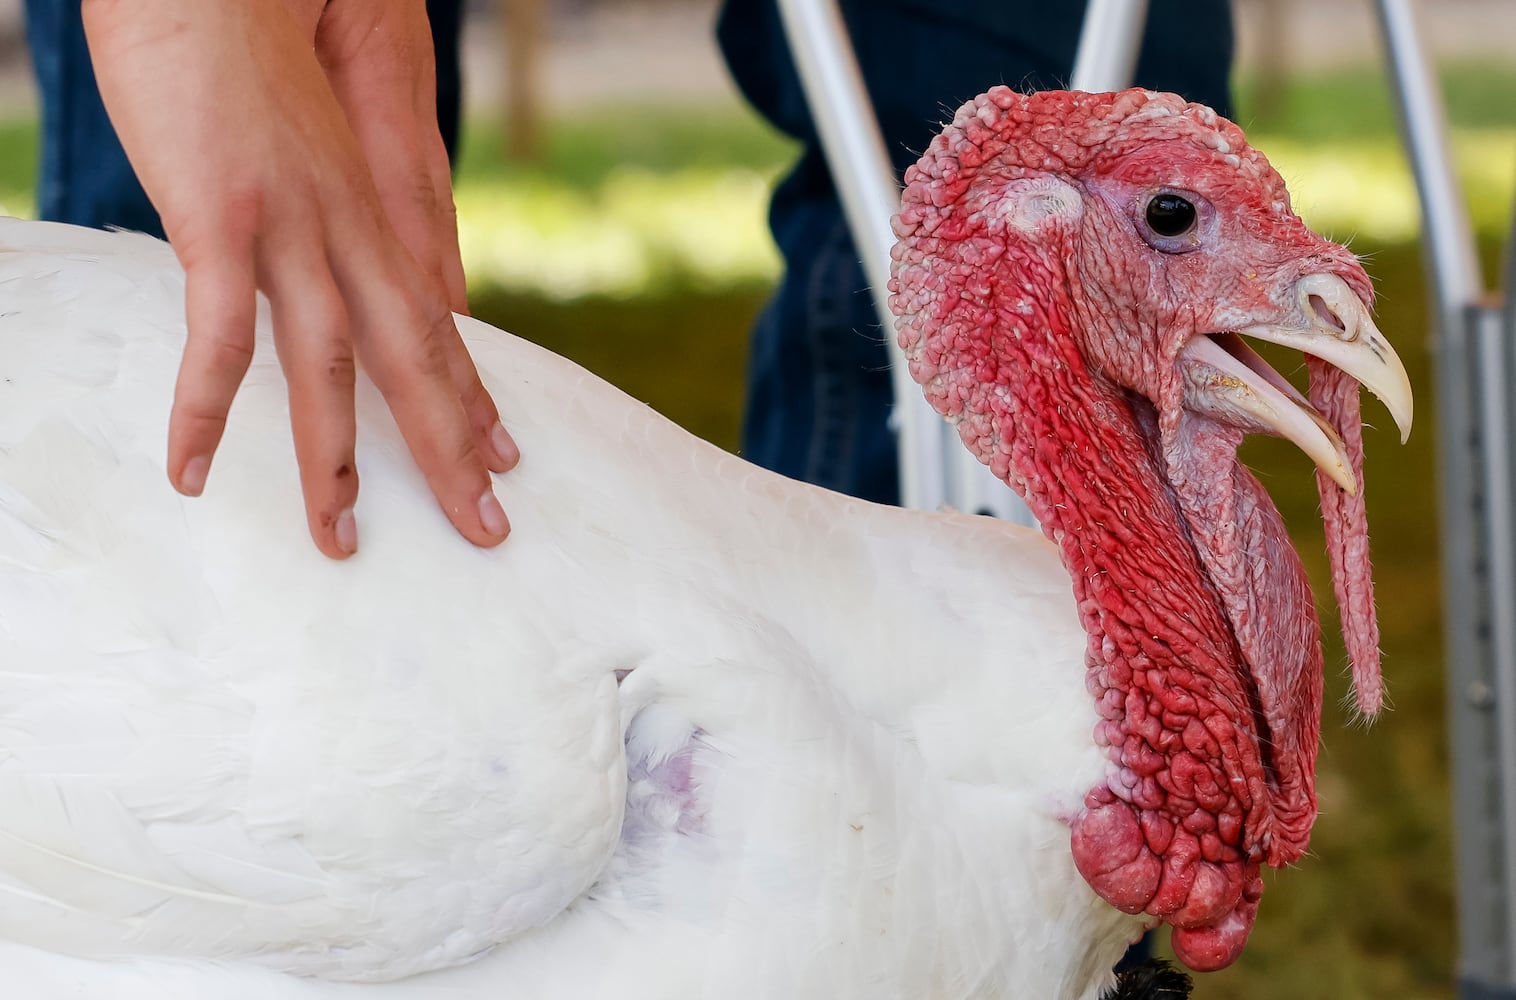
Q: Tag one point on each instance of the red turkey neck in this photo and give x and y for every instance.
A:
(1192, 805)
(1074, 277)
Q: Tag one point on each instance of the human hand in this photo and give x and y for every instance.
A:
(242, 142)
(379, 61)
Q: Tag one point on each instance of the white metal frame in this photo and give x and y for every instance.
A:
(1475, 350)
(934, 470)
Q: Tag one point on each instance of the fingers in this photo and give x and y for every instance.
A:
(409, 345)
(378, 59)
(494, 441)
(420, 208)
(380, 69)
(413, 373)
(451, 265)
(375, 305)
(316, 352)
(255, 162)
(221, 309)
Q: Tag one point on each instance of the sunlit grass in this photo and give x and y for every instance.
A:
(18, 168)
(637, 232)
(635, 201)
(1363, 189)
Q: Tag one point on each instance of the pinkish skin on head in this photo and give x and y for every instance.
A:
(1042, 318)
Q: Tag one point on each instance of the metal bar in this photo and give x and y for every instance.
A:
(1472, 357)
(1493, 351)
(870, 195)
(1108, 45)
(1444, 214)
(934, 470)
(1109, 40)
(1497, 332)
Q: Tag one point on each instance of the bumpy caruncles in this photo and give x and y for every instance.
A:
(1072, 276)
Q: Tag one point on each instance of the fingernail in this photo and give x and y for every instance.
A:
(504, 446)
(492, 515)
(347, 532)
(192, 478)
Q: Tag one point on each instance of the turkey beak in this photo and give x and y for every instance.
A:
(1331, 323)
(1339, 331)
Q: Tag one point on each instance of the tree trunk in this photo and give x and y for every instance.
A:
(524, 23)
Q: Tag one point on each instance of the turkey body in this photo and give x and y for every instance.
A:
(693, 730)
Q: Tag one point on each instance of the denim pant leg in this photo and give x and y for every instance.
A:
(819, 393)
(446, 17)
(85, 177)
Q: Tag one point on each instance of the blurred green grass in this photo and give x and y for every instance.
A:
(18, 167)
(637, 201)
(637, 247)
(1354, 103)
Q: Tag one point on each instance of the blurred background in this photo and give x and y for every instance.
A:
(612, 196)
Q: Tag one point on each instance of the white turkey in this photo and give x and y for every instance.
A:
(696, 730)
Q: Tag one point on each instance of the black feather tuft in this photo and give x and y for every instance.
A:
(1153, 980)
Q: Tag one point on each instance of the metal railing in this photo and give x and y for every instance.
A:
(1472, 350)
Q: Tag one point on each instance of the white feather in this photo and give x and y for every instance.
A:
(232, 768)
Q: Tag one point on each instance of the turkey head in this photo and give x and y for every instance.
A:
(1074, 279)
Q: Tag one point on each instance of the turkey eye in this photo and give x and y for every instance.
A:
(1170, 215)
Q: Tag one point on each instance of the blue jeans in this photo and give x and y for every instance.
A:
(818, 384)
(85, 177)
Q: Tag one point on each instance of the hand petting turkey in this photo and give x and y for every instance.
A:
(291, 147)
